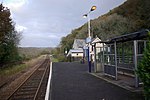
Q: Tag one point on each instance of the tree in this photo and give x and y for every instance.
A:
(111, 26)
(144, 70)
(9, 37)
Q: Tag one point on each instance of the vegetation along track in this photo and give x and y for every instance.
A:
(34, 88)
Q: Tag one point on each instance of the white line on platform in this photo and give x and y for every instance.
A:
(48, 84)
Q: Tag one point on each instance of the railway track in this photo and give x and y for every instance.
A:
(34, 87)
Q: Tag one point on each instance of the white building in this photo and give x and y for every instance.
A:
(76, 53)
(97, 48)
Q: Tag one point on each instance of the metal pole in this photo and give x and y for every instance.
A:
(116, 76)
(89, 58)
(89, 33)
(95, 60)
(103, 59)
(135, 62)
(89, 26)
(122, 54)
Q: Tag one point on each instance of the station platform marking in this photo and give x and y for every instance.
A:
(48, 84)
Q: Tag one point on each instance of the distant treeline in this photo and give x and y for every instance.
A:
(31, 52)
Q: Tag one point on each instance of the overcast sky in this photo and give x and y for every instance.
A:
(45, 22)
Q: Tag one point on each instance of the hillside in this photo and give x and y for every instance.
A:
(132, 15)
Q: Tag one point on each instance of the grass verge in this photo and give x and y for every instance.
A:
(54, 59)
(13, 69)
(17, 68)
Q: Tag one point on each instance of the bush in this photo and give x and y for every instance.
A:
(61, 58)
(144, 70)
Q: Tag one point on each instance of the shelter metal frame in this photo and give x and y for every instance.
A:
(110, 61)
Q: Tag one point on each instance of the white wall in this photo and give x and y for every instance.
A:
(77, 55)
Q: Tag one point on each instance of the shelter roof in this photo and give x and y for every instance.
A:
(128, 37)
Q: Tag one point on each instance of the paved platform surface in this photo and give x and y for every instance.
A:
(124, 81)
(71, 81)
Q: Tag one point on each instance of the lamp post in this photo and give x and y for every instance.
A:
(88, 16)
(88, 40)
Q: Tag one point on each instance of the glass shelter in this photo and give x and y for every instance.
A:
(121, 55)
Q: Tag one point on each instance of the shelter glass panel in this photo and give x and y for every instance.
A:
(125, 52)
(109, 60)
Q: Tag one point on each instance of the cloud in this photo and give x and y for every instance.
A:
(40, 40)
(15, 4)
(20, 28)
(44, 22)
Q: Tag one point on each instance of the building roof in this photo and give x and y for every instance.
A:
(95, 40)
(79, 43)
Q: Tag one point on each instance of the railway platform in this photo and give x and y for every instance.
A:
(71, 81)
